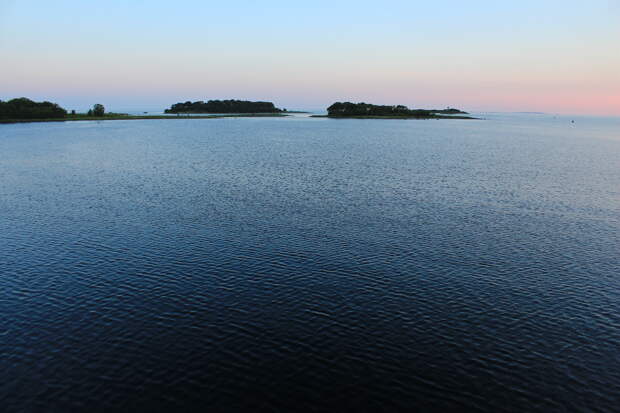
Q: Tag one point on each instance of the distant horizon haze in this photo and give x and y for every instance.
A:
(554, 57)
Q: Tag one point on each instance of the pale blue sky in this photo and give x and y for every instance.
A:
(559, 56)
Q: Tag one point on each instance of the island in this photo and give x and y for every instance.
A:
(369, 111)
(22, 110)
(449, 111)
(26, 110)
(224, 106)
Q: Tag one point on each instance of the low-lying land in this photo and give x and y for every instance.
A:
(121, 116)
(393, 117)
(22, 110)
(369, 111)
(25, 110)
(112, 116)
(224, 106)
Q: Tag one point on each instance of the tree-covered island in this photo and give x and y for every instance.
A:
(367, 110)
(224, 106)
(22, 109)
(25, 110)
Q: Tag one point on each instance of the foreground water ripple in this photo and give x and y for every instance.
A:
(281, 264)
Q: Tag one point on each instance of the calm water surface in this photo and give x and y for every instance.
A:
(330, 265)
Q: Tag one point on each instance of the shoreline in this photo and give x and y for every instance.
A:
(140, 117)
(220, 116)
(396, 117)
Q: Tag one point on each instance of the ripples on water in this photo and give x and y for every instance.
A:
(280, 264)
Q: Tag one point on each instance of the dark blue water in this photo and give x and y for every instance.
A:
(310, 264)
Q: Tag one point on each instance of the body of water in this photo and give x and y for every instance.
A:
(281, 264)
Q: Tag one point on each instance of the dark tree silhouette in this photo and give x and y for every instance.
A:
(366, 109)
(223, 106)
(24, 108)
(98, 109)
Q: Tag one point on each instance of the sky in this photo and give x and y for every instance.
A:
(548, 56)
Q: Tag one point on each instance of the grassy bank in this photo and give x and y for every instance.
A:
(120, 116)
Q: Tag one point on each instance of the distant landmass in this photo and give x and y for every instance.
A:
(224, 106)
(24, 108)
(449, 111)
(367, 110)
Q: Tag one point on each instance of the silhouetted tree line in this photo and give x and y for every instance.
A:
(449, 111)
(366, 109)
(223, 106)
(24, 108)
(97, 110)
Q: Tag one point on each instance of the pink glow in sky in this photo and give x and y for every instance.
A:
(558, 57)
